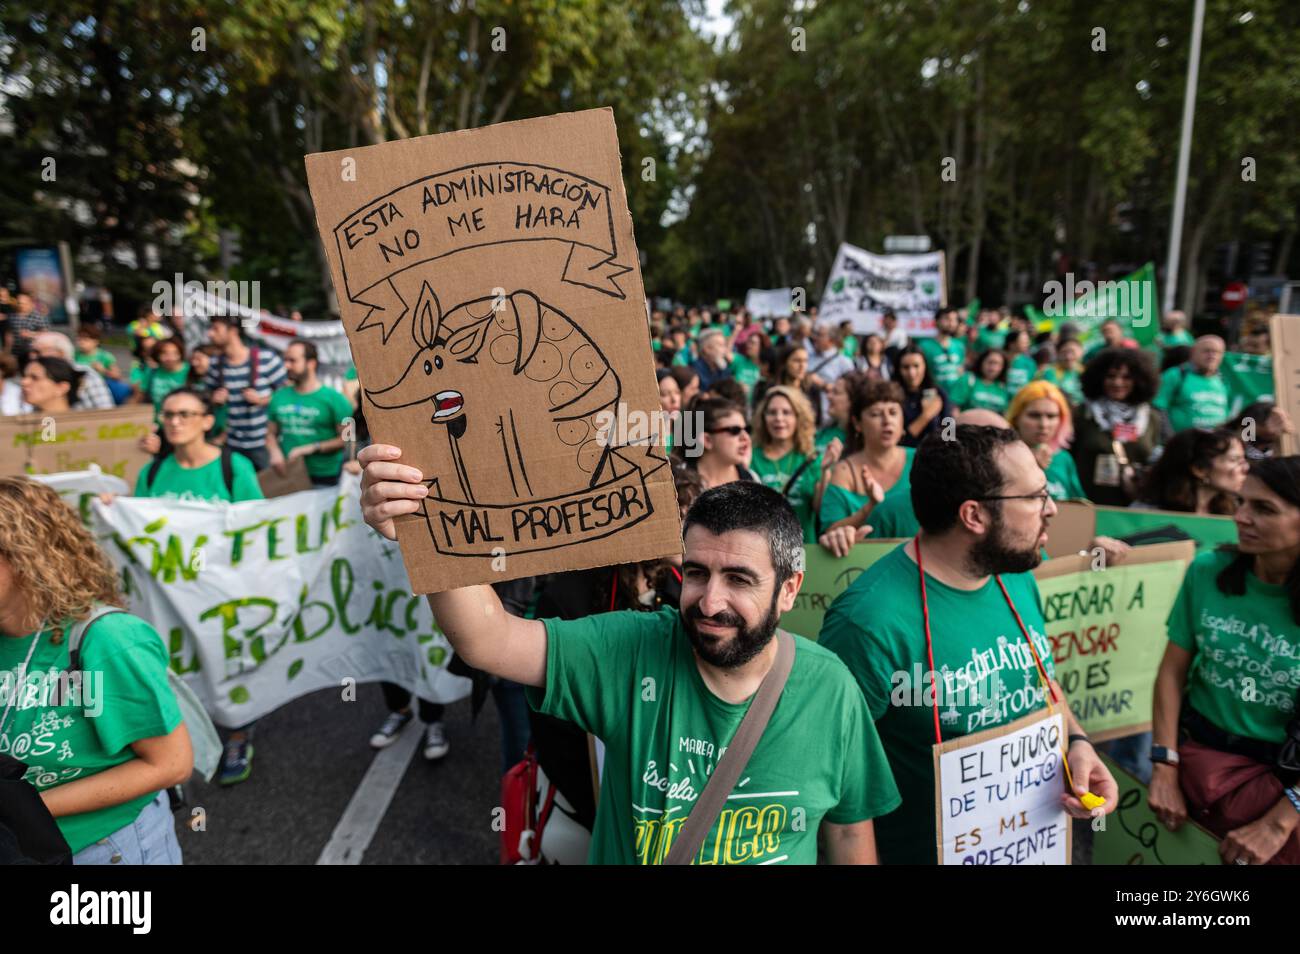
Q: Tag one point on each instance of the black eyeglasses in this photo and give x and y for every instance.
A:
(735, 430)
(1042, 497)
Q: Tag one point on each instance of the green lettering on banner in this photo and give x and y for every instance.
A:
(1207, 531)
(1107, 629)
(1133, 835)
(341, 582)
(228, 613)
(826, 577)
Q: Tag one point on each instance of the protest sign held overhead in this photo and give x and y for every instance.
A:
(863, 285)
(489, 284)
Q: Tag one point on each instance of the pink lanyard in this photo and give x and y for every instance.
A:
(929, 641)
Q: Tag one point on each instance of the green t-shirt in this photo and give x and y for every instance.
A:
(894, 518)
(1063, 477)
(99, 358)
(631, 679)
(308, 418)
(1172, 340)
(156, 383)
(990, 395)
(682, 358)
(988, 675)
(1020, 372)
(828, 434)
(126, 699)
(1234, 639)
(1191, 399)
(1070, 383)
(746, 372)
(838, 503)
(201, 483)
(850, 347)
(776, 473)
(947, 362)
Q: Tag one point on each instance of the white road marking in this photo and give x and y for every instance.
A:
(370, 801)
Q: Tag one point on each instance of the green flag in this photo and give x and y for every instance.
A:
(1249, 378)
(1131, 300)
(972, 311)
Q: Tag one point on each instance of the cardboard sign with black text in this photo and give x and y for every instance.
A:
(489, 284)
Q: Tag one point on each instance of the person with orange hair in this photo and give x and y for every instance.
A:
(1040, 414)
(102, 749)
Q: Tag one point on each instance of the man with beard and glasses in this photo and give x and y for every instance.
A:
(666, 691)
(982, 503)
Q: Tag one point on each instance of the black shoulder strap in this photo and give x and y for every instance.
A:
(794, 478)
(154, 466)
(227, 471)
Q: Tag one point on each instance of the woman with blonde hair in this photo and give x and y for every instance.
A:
(785, 457)
(102, 755)
(1040, 414)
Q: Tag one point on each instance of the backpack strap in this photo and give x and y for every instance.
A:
(227, 471)
(78, 633)
(723, 780)
(154, 466)
(252, 366)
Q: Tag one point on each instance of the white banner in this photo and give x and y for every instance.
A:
(768, 302)
(264, 601)
(863, 285)
(78, 488)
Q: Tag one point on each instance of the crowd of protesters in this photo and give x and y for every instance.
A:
(802, 433)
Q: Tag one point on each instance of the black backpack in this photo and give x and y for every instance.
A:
(227, 470)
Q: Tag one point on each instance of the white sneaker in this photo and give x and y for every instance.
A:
(435, 741)
(390, 730)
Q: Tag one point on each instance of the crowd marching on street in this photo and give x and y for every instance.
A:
(788, 436)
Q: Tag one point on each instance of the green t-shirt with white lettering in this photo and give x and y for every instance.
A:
(746, 372)
(1020, 372)
(1191, 399)
(307, 419)
(1246, 650)
(201, 483)
(947, 363)
(988, 675)
(989, 395)
(124, 698)
(1063, 478)
(777, 473)
(631, 679)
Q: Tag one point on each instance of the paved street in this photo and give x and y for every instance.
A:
(311, 756)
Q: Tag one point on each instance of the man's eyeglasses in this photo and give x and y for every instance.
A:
(180, 415)
(735, 430)
(1042, 497)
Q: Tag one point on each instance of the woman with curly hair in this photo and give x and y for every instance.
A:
(103, 755)
(1201, 471)
(1116, 430)
(785, 457)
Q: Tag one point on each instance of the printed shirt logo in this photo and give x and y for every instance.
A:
(1269, 659)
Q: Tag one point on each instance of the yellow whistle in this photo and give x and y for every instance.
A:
(1091, 801)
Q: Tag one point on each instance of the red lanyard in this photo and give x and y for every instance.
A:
(929, 641)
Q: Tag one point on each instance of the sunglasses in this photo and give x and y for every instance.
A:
(735, 430)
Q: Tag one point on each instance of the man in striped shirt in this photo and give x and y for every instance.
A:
(242, 379)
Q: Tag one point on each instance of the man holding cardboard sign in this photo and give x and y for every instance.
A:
(946, 639)
(674, 695)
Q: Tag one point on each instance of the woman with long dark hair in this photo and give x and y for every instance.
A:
(1201, 471)
(50, 385)
(1225, 723)
(925, 404)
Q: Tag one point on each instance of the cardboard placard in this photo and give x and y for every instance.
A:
(1073, 528)
(997, 797)
(490, 286)
(1284, 332)
(1133, 835)
(1107, 628)
(1208, 530)
(74, 440)
(294, 479)
(826, 577)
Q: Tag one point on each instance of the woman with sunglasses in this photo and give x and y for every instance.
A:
(1040, 414)
(721, 452)
(1225, 723)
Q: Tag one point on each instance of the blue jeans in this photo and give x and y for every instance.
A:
(149, 840)
(512, 709)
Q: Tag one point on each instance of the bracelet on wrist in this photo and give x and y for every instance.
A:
(1077, 737)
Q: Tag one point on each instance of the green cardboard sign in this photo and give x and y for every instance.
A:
(1133, 836)
(1207, 531)
(826, 577)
